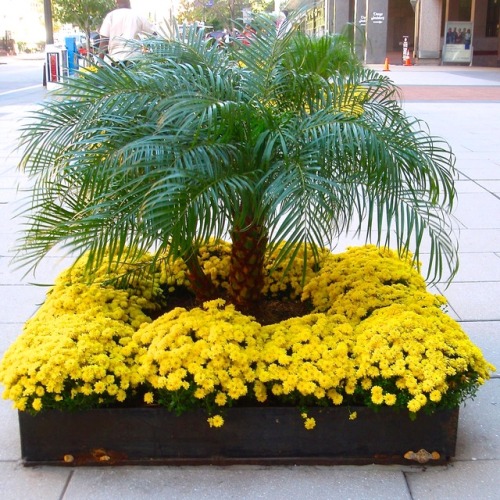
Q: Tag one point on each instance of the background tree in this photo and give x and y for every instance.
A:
(219, 13)
(84, 14)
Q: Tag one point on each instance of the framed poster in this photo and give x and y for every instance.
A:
(457, 46)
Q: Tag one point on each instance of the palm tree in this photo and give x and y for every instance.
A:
(288, 139)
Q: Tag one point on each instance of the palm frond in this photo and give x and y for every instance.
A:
(290, 134)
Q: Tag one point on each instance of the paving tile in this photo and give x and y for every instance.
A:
(240, 482)
(20, 302)
(478, 164)
(423, 78)
(347, 240)
(474, 301)
(43, 275)
(487, 172)
(8, 333)
(8, 223)
(478, 425)
(479, 240)
(462, 480)
(491, 186)
(473, 266)
(471, 158)
(30, 483)
(478, 210)
(11, 444)
(486, 335)
(10, 178)
(468, 186)
(483, 143)
(7, 244)
(8, 194)
(483, 266)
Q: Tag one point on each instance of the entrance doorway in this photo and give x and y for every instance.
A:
(401, 23)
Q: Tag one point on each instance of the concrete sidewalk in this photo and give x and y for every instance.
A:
(471, 124)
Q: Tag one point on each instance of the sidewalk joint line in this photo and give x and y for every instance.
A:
(66, 485)
(408, 489)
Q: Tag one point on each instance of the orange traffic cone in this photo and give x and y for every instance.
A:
(408, 62)
(386, 64)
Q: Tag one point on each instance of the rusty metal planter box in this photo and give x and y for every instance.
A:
(251, 435)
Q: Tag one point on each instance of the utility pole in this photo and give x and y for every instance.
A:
(49, 33)
(49, 30)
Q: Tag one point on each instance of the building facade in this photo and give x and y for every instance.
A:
(382, 28)
(21, 26)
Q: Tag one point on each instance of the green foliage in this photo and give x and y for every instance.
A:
(218, 13)
(85, 14)
(289, 137)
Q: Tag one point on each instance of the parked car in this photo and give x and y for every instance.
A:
(81, 43)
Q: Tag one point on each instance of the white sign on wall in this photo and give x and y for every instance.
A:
(457, 46)
(377, 18)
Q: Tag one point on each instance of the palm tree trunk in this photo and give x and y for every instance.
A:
(246, 275)
(201, 284)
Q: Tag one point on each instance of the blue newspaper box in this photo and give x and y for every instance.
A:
(70, 43)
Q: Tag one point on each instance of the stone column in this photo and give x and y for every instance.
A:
(429, 30)
(376, 31)
(340, 15)
(360, 28)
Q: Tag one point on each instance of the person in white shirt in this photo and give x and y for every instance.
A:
(119, 27)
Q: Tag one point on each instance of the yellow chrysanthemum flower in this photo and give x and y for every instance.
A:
(215, 421)
(376, 332)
